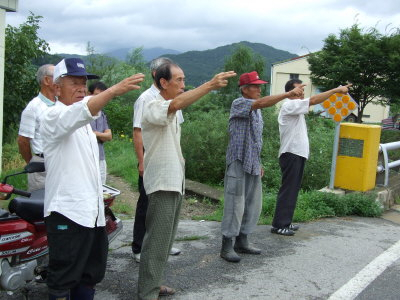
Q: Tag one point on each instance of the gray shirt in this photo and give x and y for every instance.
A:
(100, 125)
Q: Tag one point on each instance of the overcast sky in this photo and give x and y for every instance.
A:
(294, 26)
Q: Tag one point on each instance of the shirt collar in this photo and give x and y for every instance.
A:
(154, 89)
(46, 100)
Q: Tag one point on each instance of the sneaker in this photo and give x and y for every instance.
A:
(175, 251)
(136, 257)
(294, 227)
(282, 231)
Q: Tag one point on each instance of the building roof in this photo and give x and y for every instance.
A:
(290, 59)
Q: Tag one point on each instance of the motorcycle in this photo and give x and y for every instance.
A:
(23, 239)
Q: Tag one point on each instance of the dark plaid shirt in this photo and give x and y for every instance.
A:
(245, 130)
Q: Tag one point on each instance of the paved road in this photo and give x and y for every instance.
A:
(314, 264)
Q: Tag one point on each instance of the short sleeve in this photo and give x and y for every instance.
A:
(138, 112)
(241, 108)
(156, 112)
(28, 122)
(296, 107)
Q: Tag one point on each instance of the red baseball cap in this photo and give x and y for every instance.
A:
(250, 78)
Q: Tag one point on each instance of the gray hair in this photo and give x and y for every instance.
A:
(157, 62)
(241, 88)
(42, 72)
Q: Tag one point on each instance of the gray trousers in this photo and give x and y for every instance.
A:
(36, 180)
(243, 201)
(161, 225)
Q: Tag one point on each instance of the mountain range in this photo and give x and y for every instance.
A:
(199, 66)
(148, 53)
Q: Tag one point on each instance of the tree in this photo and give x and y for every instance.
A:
(22, 46)
(120, 110)
(99, 64)
(363, 59)
(242, 60)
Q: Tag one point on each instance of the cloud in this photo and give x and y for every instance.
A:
(289, 25)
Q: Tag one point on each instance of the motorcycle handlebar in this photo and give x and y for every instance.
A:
(21, 193)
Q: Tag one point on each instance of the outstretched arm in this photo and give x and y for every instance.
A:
(183, 100)
(316, 99)
(97, 102)
(268, 101)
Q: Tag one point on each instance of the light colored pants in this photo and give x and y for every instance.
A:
(161, 224)
(242, 201)
(103, 170)
(36, 180)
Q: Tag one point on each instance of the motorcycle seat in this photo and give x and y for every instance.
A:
(29, 209)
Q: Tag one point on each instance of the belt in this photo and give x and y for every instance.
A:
(40, 155)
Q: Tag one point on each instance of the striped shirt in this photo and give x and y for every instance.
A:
(245, 131)
(164, 166)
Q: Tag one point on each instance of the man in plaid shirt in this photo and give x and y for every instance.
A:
(242, 188)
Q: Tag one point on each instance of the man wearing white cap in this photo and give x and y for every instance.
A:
(242, 183)
(73, 207)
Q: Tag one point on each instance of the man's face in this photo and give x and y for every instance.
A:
(71, 89)
(252, 91)
(176, 85)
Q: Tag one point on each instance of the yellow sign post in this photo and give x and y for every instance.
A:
(338, 107)
(357, 156)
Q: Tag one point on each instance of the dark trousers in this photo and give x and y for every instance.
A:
(77, 254)
(139, 226)
(292, 168)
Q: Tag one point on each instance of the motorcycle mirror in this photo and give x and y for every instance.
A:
(34, 167)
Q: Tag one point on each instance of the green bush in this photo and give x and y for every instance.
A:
(204, 141)
(120, 117)
(388, 136)
(313, 205)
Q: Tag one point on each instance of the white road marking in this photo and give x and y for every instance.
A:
(363, 278)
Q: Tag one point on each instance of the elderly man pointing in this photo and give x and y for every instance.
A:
(164, 171)
(73, 206)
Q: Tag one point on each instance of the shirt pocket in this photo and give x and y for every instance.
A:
(235, 178)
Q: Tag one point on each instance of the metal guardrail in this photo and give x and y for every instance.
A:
(384, 148)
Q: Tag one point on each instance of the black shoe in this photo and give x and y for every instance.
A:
(282, 231)
(242, 245)
(227, 251)
(294, 227)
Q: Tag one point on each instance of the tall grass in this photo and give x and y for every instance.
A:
(12, 162)
(312, 205)
(121, 159)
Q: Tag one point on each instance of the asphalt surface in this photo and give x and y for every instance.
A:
(322, 257)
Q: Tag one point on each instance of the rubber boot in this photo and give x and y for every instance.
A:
(227, 251)
(242, 245)
(82, 292)
(58, 295)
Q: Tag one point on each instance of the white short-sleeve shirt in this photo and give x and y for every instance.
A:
(30, 121)
(149, 94)
(293, 128)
